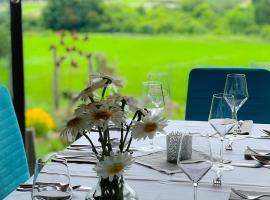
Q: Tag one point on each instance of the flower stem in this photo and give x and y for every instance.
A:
(128, 128)
(103, 92)
(102, 142)
(108, 140)
(92, 144)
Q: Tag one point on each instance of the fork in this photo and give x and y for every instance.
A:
(258, 152)
(249, 197)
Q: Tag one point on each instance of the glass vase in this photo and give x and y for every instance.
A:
(117, 189)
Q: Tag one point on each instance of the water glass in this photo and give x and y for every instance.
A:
(51, 181)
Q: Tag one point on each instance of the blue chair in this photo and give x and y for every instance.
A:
(204, 82)
(13, 162)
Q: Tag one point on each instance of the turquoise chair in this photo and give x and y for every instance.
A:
(204, 82)
(13, 162)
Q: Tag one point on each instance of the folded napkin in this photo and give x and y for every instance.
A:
(249, 153)
(158, 161)
(234, 196)
(245, 128)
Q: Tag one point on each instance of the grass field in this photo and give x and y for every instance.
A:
(137, 55)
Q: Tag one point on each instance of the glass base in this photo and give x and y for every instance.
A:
(222, 166)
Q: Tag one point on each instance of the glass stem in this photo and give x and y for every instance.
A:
(195, 185)
(221, 150)
(235, 113)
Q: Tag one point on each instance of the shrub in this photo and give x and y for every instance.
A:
(72, 14)
(265, 32)
(240, 20)
(40, 120)
(262, 14)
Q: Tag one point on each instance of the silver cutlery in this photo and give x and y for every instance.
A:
(267, 132)
(258, 152)
(28, 187)
(248, 197)
(249, 165)
(262, 161)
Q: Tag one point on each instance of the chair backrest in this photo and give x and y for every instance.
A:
(204, 82)
(13, 163)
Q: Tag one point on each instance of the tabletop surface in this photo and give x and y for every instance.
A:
(151, 184)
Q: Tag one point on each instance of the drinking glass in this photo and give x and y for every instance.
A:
(222, 119)
(51, 181)
(163, 79)
(236, 85)
(198, 162)
(153, 96)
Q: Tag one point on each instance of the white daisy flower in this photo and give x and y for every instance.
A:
(74, 127)
(113, 165)
(131, 102)
(148, 127)
(101, 115)
(88, 92)
(109, 80)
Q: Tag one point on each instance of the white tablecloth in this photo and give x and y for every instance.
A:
(151, 184)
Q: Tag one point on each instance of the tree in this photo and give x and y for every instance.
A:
(72, 14)
(262, 11)
(241, 20)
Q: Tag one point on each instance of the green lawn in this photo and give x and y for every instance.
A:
(137, 55)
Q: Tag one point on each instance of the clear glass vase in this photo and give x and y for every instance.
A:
(117, 189)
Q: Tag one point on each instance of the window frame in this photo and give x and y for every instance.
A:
(17, 63)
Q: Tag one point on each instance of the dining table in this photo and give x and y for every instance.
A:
(153, 184)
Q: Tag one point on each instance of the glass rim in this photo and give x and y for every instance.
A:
(222, 95)
(236, 74)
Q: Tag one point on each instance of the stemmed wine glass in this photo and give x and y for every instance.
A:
(197, 161)
(236, 85)
(153, 97)
(163, 79)
(222, 119)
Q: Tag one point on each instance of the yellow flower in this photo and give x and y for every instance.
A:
(40, 120)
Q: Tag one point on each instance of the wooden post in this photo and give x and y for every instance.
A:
(56, 67)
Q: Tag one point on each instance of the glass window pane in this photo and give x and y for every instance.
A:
(5, 66)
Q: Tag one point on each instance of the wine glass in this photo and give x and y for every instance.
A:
(51, 180)
(195, 162)
(236, 85)
(153, 96)
(163, 79)
(222, 119)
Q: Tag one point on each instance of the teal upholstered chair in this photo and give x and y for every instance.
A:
(204, 82)
(13, 163)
